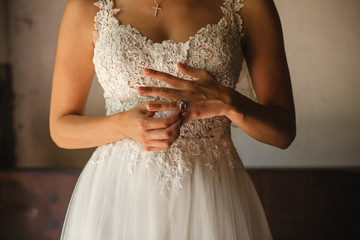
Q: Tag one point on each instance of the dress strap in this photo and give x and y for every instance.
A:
(234, 7)
(104, 15)
(244, 84)
(238, 5)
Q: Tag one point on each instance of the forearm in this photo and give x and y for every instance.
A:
(267, 124)
(77, 131)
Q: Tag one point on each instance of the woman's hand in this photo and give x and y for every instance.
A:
(205, 97)
(151, 133)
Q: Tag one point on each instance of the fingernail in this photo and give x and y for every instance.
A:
(141, 90)
(146, 70)
(150, 107)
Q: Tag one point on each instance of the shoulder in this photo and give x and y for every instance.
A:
(259, 5)
(81, 13)
(260, 17)
(78, 20)
(259, 11)
(81, 9)
(82, 4)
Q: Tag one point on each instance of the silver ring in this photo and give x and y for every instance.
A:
(182, 104)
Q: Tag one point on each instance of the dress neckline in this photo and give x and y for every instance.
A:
(151, 42)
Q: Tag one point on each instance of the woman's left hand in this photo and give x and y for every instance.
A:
(205, 97)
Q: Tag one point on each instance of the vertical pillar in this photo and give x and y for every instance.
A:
(7, 133)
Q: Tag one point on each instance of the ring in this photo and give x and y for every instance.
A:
(182, 104)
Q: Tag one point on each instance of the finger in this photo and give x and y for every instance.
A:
(166, 77)
(192, 72)
(174, 116)
(162, 106)
(169, 133)
(150, 114)
(157, 145)
(159, 92)
(152, 149)
(159, 123)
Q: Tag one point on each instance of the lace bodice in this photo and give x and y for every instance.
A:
(120, 55)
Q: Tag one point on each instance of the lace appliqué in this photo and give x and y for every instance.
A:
(104, 15)
(121, 54)
(101, 153)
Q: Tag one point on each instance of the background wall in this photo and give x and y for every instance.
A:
(322, 40)
(34, 27)
(4, 49)
(322, 44)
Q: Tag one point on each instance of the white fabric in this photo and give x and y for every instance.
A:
(198, 189)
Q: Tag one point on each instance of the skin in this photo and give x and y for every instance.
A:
(271, 120)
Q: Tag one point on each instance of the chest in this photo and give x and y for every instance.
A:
(122, 52)
(161, 20)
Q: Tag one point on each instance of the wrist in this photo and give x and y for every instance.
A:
(116, 125)
(232, 102)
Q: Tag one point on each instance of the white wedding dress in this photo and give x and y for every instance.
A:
(196, 190)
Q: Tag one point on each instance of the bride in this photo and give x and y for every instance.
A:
(165, 166)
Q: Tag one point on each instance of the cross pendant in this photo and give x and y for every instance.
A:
(156, 9)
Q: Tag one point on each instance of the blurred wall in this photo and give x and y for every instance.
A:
(7, 130)
(4, 48)
(322, 44)
(34, 27)
(322, 40)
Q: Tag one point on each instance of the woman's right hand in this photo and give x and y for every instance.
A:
(153, 134)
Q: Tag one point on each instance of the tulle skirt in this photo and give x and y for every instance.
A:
(108, 204)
